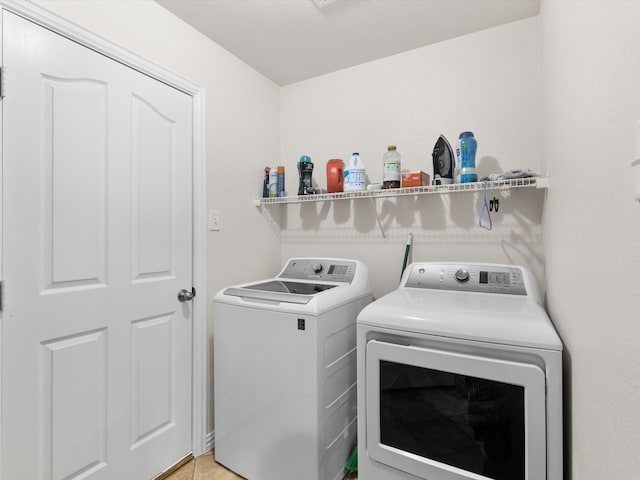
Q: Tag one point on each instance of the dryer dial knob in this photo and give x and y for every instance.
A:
(317, 267)
(462, 275)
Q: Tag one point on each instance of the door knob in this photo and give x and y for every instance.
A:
(186, 295)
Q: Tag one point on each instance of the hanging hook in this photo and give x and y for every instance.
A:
(485, 207)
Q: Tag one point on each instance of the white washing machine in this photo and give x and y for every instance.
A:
(459, 378)
(285, 370)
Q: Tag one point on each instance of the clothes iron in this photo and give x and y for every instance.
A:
(443, 162)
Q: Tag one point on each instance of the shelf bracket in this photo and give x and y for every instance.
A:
(542, 182)
(375, 209)
(271, 221)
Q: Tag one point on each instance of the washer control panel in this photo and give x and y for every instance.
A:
(467, 277)
(320, 269)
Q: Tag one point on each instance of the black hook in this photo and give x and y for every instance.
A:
(494, 204)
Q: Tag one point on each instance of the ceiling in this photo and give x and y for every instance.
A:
(293, 40)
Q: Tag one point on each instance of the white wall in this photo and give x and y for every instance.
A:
(591, 101)
(242, 131)
(487, 82)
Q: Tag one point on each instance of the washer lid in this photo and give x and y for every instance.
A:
(305, 285)
(281, 291)
(296, 288)
(491, 318)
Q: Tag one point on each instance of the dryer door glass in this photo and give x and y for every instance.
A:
(442, 414)
(467, 422)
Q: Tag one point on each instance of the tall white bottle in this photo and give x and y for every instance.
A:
(354, 175)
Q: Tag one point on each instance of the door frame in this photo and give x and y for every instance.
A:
(57, 24)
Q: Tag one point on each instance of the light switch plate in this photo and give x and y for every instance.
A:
(214, 220)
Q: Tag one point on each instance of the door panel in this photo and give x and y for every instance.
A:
(97, 241)
(151, 402)
(153, 162)
(75, 231)
(79, 407)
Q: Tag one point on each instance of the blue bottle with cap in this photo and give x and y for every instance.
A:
(466, 158)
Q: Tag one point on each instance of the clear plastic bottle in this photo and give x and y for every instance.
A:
(466, 158)
(354, 175)
(391, 168)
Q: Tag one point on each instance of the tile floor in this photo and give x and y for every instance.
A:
(205, 467)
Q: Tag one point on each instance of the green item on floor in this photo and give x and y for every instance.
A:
(352, 463)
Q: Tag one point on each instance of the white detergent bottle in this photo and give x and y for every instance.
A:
(354, 175)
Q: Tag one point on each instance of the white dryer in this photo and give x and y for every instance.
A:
(285, 370)
(459, 378)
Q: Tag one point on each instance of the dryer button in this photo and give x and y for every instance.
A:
(462, 275)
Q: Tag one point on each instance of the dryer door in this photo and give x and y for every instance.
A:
(452, 416)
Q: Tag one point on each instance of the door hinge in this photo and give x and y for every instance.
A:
(3, 73)
(1, 295)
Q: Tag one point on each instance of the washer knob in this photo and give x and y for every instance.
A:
(317, 267)
(462, 275)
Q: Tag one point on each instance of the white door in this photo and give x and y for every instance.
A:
(97, 243)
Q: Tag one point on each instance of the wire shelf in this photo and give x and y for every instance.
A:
(506, 184)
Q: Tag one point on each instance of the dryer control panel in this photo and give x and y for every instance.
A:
(470, 277)
(326, 269)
